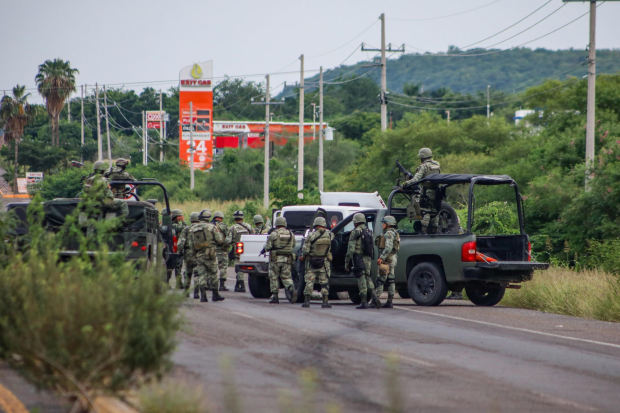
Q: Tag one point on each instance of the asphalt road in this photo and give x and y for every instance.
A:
(454, 357)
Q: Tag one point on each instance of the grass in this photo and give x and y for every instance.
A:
(589, 294)
(171, 397)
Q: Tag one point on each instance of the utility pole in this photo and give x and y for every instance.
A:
(448, 113)
(161, 127)
(143, 142)
(107, 124)
(69, 108)
(300, 161)
(82, 132)
(313, 121)
(383, 50)
(99, 143)
(191, 146)
(488, 104)
(321, 134)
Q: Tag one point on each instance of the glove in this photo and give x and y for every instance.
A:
(262, 252)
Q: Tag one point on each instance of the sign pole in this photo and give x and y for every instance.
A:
(321, 129)
(161, 128)
(267, 143)
(300, 159)
(191, 146)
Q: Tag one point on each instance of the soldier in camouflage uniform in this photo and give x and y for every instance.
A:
(118, 173)
(235, 232)
(188, 257)
(106, 199)
(427, 168)
(221, 250)
(178, 224)
(259, 225)
(315, 254)
(280, 244)
(203, 237)
(389, 244)
(354, 254)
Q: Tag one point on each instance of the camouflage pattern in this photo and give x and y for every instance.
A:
(280, 265)
(312, 274)
(230, 239)
(261, 229)
(178, 227)
(388, 254)
(188, 255)
(428, 167)
(205, 258)
(221, 250)
(115, 174)
(107, 200)
(364, 283)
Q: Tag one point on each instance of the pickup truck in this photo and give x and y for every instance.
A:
(431, 265)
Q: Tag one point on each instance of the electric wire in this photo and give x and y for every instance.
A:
(340, 47)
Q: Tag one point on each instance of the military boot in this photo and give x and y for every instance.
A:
(388, 303)
(293, 291)
(203, 295)
(241, 286)
(325, 302)
(275, 299)
(375, 299)
(216, 296)
(223, 285)
(364, 304)
(196, 296)
(306, 303)
(179, 281)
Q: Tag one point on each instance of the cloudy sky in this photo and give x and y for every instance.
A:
(125, 42)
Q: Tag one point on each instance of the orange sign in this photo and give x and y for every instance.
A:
(196, 87)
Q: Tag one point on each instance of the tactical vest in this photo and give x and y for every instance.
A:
(380, 241)
(240, 230)
(224, 230)
(358, 241)
(320, 246)
(202, 237)
(283, 245)
(434, 169)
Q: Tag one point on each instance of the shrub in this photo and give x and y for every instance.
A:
(171, 397)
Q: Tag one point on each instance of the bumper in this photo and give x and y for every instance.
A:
(255, 268)
(503, 271)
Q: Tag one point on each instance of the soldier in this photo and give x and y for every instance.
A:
(178, 224)
(280, 244)
(221, 250)
(389, 244)
(118, 174)
(427, 168)
(259, 225)
(203, 237)
(361, 263)
(106, 199)
(315, 254)
(186, 253)
(235, 232)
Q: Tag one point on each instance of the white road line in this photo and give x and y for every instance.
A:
(242, 315)
(526, 330)
(565, 402)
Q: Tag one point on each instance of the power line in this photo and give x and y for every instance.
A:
(448, 15)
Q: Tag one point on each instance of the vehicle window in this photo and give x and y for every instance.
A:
(300, 220)
(370, 223)
(494, 211)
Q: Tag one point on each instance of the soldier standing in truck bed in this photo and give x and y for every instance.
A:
(118, 173)
(427, 204)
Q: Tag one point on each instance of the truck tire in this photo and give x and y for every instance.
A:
(448, 220)
(484, 295)
(296, 282)
(259, 286)
(427, 284)
(403, 293)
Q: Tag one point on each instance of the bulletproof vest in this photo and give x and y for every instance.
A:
(358, 241)
(240, 230)
(284, 243)
(396, 241)
(434, 169)
(202, 236)
(320, 246)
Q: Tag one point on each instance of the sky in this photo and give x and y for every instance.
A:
(121, 43)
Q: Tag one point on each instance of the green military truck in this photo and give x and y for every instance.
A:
(431, 265)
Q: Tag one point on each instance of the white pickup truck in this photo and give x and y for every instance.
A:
(336, 207)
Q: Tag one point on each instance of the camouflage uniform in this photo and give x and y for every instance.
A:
(234, 235)
(188, 255)
(388, 255)
(107, 200)
(116, 174)
(428, 167)
(178, 227)
(364, 282)
(280, 243)
(261, 229)
(221, 250)
(203, 237)
(317, 245)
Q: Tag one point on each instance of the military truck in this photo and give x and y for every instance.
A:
(141, 237)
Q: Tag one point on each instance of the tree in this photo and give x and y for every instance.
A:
(55, 82)
(15, 113)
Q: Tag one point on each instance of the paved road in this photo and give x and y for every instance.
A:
(452, 357)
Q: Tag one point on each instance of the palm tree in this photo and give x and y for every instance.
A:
(55, 82)
(15, 113)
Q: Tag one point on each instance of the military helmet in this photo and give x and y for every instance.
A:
(204, 215)
(238, 215)
(122, 162)
(176, 213)
(425, 153)
(99, 166)
(280, 222)
(390, 220)
(194, 217)
(258, 219)
(359, 218)
(319, 222)
(218, 214)
(164, 211)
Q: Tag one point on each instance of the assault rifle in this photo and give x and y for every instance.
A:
(402, 169)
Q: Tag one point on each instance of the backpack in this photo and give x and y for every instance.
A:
(368, 243)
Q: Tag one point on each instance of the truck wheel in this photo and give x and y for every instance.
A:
(259, 286)
(448, 220)
(485, 295)
(355, 297)
(427, 284)
(404, 293)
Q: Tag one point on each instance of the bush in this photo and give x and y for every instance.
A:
(171, 397)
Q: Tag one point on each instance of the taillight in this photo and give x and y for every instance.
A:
(239, 248)
(175, 240)
(468, 252)
(529, 251)
(134, 244)
(144, 248)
